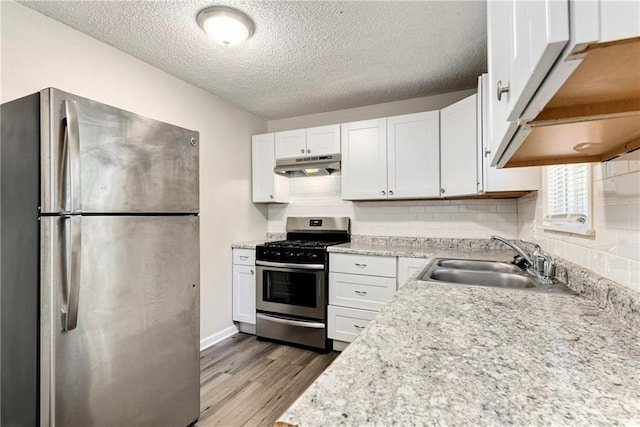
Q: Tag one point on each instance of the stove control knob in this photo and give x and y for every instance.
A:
(276, 253)
(300, 254)
(312, 255)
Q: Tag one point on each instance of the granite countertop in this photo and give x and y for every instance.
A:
(454, 354)
(422, 252)
(382, 250)
(247, 245)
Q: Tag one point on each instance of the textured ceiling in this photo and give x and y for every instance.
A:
(305, 56)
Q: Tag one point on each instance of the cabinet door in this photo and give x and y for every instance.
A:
(540, 32)
(267, 186)
(407, 267)
(323, 140)
(491, 179)
(291, 143)
(413, 149)
(364, 160)
(459, 148)
(499, 47)
(244, 294)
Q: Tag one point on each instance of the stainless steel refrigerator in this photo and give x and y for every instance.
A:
(99, 266)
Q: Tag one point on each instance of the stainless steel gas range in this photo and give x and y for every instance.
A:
(292, 285)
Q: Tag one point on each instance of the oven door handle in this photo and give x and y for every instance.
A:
(295, 266)
(314, 325)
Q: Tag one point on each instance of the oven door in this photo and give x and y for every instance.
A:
(291, 289)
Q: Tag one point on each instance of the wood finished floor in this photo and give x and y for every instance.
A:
(246, 382)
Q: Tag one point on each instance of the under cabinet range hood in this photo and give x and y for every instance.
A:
(308, 166)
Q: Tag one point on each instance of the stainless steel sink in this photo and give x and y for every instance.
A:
(465, 264)
(483, 278)
(486, 273)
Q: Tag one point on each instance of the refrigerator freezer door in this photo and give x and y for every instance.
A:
(99, 159)
(133, 357)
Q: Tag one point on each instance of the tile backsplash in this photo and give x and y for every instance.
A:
(310, 196)
(614, 251)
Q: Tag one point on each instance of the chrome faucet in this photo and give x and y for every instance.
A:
(513, 246)
(540, 264)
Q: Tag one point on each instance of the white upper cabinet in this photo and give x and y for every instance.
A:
(364, 160)
(458, 148)
(413, 156)
(291, 143)
(562, 72)
(323, 140)
(393, 158)
(540, 32)
(316, 141)
(491, 179)
(499, 47)
(524, 39)
(267, 186)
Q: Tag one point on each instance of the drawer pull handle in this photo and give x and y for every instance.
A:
(244, 257)
(361, 265)
(361, 293)
(358, 327)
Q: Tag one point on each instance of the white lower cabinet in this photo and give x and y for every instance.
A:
(359, 287)
(244, 287)
(366, 292)
(407, 267)
(346, 323)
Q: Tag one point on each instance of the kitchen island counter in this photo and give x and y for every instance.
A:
(455, 354)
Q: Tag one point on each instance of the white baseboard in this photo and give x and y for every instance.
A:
(217, 337)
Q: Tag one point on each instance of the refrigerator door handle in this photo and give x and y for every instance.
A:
(71, 189)
(72, 264)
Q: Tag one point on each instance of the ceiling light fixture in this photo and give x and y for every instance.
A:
(225, 25)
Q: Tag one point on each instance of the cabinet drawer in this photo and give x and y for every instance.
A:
(244, 256)
(367, 292)
(344, 324)
(363, 264)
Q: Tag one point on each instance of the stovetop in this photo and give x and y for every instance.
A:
(307, 240)
(295, 251)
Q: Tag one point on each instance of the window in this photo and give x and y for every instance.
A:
(568, 198)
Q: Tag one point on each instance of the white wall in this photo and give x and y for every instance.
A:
(614, 251)
(387, 109)
(37, 52)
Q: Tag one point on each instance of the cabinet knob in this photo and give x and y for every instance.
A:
(271, 196)
(383, 192)
(308, 150)
(502, 89)
(391, 192)
(251, 272)
(302, 151)
(442, 191)
(487, 151)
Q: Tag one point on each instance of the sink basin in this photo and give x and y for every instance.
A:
(463, 264)
(482, 278)
(495, 274)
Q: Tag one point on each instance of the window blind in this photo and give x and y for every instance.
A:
(568, 201)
